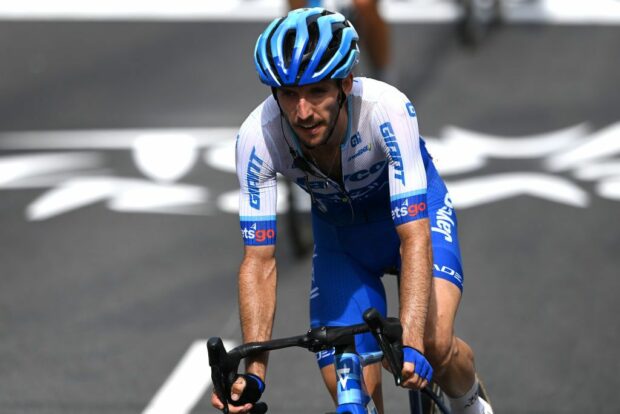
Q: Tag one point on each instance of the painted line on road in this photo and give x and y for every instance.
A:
(108, 139)
(187, 383)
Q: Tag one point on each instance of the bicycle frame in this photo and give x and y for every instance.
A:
(352, 396)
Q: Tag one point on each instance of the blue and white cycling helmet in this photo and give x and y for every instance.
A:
(306, 46)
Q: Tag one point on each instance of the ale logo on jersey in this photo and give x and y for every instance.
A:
(356, 139)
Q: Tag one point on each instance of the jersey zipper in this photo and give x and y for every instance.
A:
(340, 186)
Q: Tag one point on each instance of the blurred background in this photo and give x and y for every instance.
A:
(119, 241)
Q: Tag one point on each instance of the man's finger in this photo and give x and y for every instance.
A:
(408, 370)
(237, 389)
(425, 371)
(410, 382)
(415, 382)
(215, 401)
(243, 409)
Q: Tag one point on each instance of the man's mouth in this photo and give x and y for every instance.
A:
(309, 127)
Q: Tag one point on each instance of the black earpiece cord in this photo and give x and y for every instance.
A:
(301, 163)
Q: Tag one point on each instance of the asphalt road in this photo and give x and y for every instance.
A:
(98, 305)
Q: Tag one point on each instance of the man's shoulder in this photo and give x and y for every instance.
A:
(377, 98)
(263, 115)
(373, 90)
(261, 122)
(259, 135)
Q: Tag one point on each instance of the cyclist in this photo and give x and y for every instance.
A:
(377, 203)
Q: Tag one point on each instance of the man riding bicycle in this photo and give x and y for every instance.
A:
(378, 203)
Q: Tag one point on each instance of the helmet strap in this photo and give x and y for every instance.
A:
(342, 98)
(274, 92)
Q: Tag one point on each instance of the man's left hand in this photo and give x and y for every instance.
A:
(417, 372)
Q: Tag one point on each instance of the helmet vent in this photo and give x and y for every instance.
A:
(288, 45)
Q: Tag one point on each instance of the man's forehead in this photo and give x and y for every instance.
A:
(325, 83)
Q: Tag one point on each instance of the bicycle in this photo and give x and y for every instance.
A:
(351, 393)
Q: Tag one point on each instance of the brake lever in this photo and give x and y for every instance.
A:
(218, 361)
(374, 320)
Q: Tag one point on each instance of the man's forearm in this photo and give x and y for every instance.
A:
(257, 304)
(415, 284)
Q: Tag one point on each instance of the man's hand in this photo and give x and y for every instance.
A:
(417, 372)
(235, 393)
(253, 391)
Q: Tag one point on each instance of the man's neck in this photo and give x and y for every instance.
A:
(327, 156)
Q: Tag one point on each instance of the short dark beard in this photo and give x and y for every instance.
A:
(330, 130)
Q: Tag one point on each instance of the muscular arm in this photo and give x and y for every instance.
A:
(257, 300)
(415, 280)
(399, 137)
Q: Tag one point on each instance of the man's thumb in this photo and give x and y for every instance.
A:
(237, 389)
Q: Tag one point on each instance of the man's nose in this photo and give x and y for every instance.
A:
(304, 109)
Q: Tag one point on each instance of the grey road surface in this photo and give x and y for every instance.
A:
(98, 306)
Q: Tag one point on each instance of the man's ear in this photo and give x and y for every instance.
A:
(347, 84)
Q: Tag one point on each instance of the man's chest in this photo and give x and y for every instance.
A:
(359, 168)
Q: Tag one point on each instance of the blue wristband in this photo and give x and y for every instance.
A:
(261, 383)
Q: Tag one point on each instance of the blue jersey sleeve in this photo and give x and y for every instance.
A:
(397, 132)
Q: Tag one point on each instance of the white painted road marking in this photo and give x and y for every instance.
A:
(188, 382)
(120, 194)
(80, 179)
(18, 168)
(107, 139)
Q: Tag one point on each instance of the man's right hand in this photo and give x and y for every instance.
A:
(235, 393)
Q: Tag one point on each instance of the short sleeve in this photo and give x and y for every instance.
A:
(397, 132)
(257, 182)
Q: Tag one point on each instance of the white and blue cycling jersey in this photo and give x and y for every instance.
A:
(384, 171)
(388, 179)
